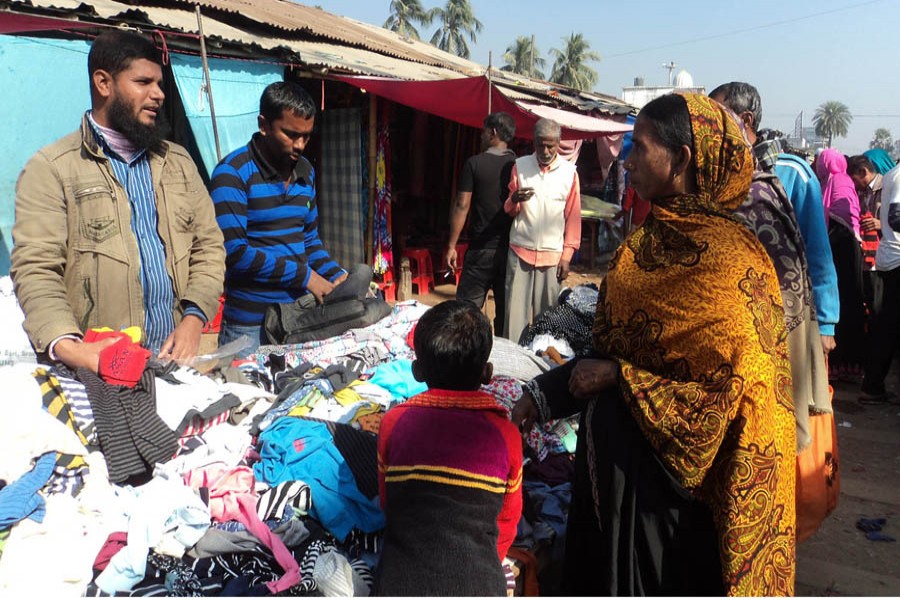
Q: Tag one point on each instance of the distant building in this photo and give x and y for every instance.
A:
(639, 94)
(805, 138)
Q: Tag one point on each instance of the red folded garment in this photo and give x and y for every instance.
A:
(123, 363)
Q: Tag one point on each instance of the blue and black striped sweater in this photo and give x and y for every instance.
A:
(271, 233)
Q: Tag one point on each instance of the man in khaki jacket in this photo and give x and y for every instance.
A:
(113, 224)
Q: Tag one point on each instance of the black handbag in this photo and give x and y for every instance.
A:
(304, 320)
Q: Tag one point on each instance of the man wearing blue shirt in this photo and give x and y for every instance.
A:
(265, 199)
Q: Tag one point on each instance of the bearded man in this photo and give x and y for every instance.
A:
(114, 227)
(545, 205)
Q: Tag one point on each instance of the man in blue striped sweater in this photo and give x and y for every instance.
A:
(265, 199)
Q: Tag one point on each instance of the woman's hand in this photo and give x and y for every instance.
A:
(524, 413)
(592, 376)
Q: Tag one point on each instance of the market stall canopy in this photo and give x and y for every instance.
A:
(465, 100)
(11, 22)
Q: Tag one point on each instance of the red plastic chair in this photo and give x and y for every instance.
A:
(420, 268)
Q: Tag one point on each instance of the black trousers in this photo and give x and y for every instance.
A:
(872, 293)
(882, 338)
(485, 269)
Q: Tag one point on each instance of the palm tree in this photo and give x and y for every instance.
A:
(882, 139)
(832, 119)
(457, 21)
(523, 58)
(406, 12)
(569, 68)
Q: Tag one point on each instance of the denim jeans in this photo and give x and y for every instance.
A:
(229, 332)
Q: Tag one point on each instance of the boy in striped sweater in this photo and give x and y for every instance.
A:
(449, 467)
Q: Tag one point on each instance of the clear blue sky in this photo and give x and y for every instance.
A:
(798, 53)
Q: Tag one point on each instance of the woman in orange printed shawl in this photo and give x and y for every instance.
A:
(685, 467)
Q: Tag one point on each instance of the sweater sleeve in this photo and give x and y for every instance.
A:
(511, 511)
(244, 260)
(384, 435)
(806, 195)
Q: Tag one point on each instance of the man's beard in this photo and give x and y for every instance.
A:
(144, 137)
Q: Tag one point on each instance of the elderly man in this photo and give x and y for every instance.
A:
(113, 224)
(545, 203)
(805, 194)
(769, 214)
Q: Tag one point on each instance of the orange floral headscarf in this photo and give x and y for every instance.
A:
(722, 156)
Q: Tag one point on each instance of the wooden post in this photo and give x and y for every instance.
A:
(373, 149)
(404, 288)
(490, 56)
(209, 95)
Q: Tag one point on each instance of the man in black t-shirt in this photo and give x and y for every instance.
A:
(483, 186)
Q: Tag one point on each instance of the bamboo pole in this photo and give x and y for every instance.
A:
(373, 149)
(490, 57)
(209, 95)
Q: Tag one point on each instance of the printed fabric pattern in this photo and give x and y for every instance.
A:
(705, 371)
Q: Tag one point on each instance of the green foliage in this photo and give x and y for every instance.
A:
(406, 12)
(518, 57)
(569, 68)
(458, 22)
(832, 119)
(882, 139)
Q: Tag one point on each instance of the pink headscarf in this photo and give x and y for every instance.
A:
(838, 192)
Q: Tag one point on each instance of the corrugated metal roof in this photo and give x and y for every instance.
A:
(378, 41)
(293, 17)
(363, 62)
(311, 33)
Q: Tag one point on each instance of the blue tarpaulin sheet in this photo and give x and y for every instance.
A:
(39, 105)
(236, 88)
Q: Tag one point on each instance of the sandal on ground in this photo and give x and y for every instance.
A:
(883, 398)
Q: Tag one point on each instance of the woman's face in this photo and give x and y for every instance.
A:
(650, 164)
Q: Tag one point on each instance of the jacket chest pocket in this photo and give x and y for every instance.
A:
(185, 219)
(98, 221)
(182, 216)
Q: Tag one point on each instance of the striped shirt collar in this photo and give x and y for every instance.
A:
(302, 170)
(101, 139)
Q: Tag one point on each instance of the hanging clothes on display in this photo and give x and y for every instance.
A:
(384, 258)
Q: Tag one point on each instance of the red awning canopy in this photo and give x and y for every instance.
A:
(11, 22)
(464, 100)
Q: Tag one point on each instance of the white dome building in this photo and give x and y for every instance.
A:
(639, 94)
(683, 80)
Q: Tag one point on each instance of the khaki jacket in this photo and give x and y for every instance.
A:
(75, 259)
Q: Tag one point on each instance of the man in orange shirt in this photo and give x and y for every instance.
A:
(545, 203)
